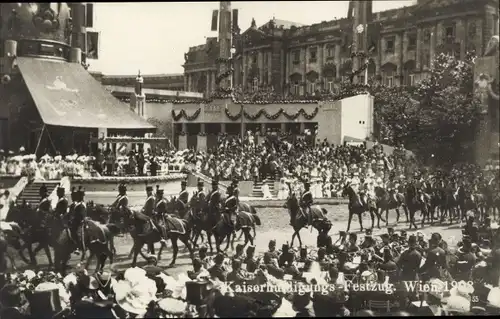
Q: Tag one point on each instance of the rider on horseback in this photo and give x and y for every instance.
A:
(62, 203)
(230, 208)
(77, 217)
(150, 206)
(44, 205)
(182, 200)
(214, 198)
(121, 201)
(306, 200)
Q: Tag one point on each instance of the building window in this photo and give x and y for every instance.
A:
(389, 81)
(296, 88)
(427, 36)
(389, 44)
(412, 42)
(449, 33)
(296, 56)
(472, 30)
(89, 15)
(254, 58)
(330, 52)
(329, 85)
(255, 84)
(313, 52)
(409, 79)
(311, 87)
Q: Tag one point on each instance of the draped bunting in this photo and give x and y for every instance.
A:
(272, 116)
(183, 114)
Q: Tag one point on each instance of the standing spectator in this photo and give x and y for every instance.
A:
(154, 165)
(140, 163)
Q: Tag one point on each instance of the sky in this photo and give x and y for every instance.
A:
(153, 36)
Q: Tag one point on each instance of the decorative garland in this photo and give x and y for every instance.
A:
(183, 114)
(272, 116)
(130, 179)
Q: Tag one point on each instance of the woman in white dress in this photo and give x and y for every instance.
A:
(283, 189)
(266, 192)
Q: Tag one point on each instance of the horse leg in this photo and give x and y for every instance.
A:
(397, 214)
(228, 241)
(33, 261)
(11, 260)
(300, 239)
(293, 237)
(387, 216)
(241, 235)
(348, 222)
(136, 249)
(248, 237)
(372, 216)
(49, 255)
(186, 243)
(360, 221)
(254, 232)
(151, 248)
(209, 239)
(175, 247)
(91, 256)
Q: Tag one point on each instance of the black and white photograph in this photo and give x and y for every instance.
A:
(241, 159)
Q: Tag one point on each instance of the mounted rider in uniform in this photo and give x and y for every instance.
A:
(306, 200)
(214, 197)
(149, 206)
(200, 196)
(121, 202)
(62, 203)
(183, 199)
(230, 208)
(76, 219)
(161, 204)
(44, 204)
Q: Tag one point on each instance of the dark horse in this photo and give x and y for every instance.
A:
(33, 230)
(92, 235)
(245, 221)
(299, 218)
(150, 232)
(416, 201)
(388, 200)
(356, 207)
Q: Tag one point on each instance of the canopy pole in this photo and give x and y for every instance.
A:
(51, 141)
(39, 139)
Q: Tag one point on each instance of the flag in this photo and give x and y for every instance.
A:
(215, 16)
(235, 19)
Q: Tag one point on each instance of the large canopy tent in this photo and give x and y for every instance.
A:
(66, 95)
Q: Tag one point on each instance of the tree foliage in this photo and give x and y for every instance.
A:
(437, 118)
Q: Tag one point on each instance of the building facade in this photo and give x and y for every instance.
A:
(171, 82)
(300, 60)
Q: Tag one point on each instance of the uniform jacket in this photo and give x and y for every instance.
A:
(149, 206)
(44, 205)
(121, 201)
(61, 206)
(161, 206)
(183, 197)
(306, 199)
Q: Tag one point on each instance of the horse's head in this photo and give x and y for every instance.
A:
(292, 202)
(347, 189)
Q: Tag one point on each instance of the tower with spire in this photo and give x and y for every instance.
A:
(360, 13)
(225, 42)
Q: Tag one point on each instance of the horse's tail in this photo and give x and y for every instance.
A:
(253, 211)
(325, 212)
(256, 220)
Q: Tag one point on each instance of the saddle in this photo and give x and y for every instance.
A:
(244, 220)
(89, 231)
(174, 225)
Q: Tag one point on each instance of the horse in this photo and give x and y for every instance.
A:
(245, 207)
(299, 218)
(244, 222)
(90, 234)
(150, 232)
(356, 207)
(33, 230)
(385, 201)
(413, 203)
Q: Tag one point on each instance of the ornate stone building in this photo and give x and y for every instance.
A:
(298, 60)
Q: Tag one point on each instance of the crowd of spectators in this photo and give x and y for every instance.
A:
(102, 163)
(292, 160)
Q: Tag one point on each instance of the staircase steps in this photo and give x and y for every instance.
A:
(31, 193)
(257, 188)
